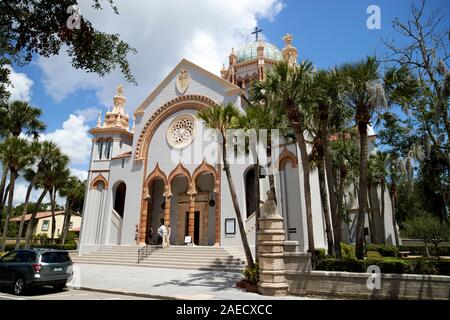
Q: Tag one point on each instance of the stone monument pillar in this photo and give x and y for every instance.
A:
(271, 236)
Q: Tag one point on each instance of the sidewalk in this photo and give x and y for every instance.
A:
(164, 283)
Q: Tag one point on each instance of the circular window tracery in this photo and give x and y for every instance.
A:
(181, 131)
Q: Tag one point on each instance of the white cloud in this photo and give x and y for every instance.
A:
(20, 87)
(88, 114)
(73, 139)
(81, 174)
(163, 32)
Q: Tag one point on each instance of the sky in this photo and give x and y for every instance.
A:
(326, 32)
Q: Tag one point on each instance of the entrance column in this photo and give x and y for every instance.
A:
(218, 205)
(167, 196)
(191, 218)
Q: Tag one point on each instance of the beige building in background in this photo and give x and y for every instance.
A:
(44, 223)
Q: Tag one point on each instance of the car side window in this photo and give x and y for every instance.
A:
(10, 257)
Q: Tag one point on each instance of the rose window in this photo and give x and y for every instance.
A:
(181, 131)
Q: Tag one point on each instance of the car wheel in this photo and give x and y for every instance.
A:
(59, 286)
(19, 286)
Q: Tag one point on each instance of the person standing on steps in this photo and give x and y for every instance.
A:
(161, 231)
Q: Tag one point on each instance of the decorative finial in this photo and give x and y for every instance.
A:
(120, 90)
(134, 124)
(287, 39)
(99, 120)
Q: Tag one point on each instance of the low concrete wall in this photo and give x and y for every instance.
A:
(354, 285)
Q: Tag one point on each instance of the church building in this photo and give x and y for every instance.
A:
(159, 167)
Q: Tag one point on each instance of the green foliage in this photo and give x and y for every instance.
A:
(40, 27)
(420, 250)
(320, 254)
(252, 274)
(428, 229)
(390, 265)
(347, 251)
(373, 255)
(383, 250)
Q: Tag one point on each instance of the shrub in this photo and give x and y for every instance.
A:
(420, 250)
(252, 274)
(349, 265)
(373, 255)
(347, 251)
(390, 265)
(424, 267)
(384, 250)
(320, 254)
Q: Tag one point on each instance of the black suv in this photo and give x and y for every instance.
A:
(35, 267)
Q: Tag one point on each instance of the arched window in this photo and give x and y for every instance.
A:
(119, 198)
(250, 191)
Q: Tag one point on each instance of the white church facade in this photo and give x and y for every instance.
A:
(162, 168)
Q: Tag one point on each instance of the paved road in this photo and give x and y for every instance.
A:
(48, 293)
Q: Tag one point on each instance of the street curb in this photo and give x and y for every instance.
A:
(125, 293)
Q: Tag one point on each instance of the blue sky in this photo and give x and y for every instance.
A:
(325, 32)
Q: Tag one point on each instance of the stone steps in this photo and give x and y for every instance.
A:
(178, 257)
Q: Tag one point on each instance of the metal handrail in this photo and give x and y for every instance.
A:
(147, 250)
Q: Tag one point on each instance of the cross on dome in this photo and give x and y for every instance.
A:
(256, 32)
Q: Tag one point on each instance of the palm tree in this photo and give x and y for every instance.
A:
(43, 152)
(344, 155)
(15, 118)
(223, 118)
(15, 155)
(73, 190)
(366, 92)
(55, 176)
(288, 87)
(260, 116)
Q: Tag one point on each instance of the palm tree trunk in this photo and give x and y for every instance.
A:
(362, 193)
(248, 253)
(257, 208)
(12, 182)
(2, 192)
(383, 205)
(394, 220)
(32, 221)
(371, 214)
(340, 209)
(269, 165)
(52, 204)
(324, 119)
(24, 213)
(294, 118)
(67, 217)
(326, 213)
